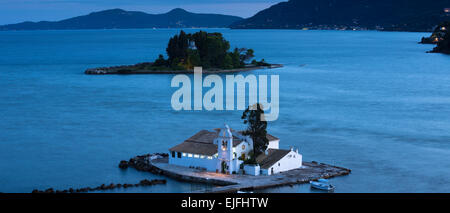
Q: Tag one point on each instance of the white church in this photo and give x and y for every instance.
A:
(224, 151)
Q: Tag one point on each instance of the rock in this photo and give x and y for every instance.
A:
(50, 190)
(123, 164)
(112, 185)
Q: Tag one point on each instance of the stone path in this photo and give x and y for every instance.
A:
(232, 183)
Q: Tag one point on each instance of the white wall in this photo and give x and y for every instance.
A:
(292, 160)
(252, 170)
(209, 164)
(238, 149)
(274, 144)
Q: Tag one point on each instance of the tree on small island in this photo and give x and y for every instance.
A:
(209, 50)
(257, 130)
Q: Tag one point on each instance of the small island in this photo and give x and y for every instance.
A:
(186, 51)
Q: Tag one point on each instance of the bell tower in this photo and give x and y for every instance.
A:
(224, 143)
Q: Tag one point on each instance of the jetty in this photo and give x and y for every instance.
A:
(230, 183)
(131, 69)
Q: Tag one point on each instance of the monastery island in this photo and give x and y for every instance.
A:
(235, 160)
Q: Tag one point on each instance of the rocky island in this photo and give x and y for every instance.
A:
(186, 51)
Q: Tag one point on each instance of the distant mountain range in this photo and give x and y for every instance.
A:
(391, 15)
(397, 15)
(121, 19)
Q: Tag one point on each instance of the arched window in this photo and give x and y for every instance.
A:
(224, 145)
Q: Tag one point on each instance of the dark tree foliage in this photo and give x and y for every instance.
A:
(256, 129)
(209, 50)
(160, 62)
(177, 47)
(442, 34)
(444, 45)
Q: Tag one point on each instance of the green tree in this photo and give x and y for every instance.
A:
(228, 62)
(160, 61)
(178, 47)
(216, 50)
(249, 54)
(256, 129)
(193, 59)
(235, 56)
(210, 50)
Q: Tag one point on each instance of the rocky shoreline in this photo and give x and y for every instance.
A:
(131, 69)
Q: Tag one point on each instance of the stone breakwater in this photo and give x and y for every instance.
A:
(142, 162)
(158, 164)
(103, 187)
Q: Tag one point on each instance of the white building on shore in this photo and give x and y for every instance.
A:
(224, 150)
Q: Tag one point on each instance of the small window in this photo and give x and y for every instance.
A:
(278, 164)
(243, 147)
(196, 156)
(224, 145)
(173, 154)
(209, 157)
(190, 155)
(184, 154)
(179, 154)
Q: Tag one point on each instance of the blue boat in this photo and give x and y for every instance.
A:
(322, 184)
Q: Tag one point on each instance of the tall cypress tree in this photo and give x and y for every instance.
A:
(256, 129)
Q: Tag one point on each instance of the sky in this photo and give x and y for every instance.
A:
(14, 11)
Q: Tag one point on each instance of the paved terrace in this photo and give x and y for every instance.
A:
(232, 183)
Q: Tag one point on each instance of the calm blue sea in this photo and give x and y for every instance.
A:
(373, 102)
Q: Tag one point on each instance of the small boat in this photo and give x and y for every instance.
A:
(322, 184)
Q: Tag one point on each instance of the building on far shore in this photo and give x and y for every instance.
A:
(224, 150)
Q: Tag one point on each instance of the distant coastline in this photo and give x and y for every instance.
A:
(351, 15)
(122, 19)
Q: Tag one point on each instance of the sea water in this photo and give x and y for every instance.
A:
(373, 102)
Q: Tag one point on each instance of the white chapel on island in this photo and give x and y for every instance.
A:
(224, 150)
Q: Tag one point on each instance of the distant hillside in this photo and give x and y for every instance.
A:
(400, 15)
(121, 19)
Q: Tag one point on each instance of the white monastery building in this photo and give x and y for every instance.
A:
(224, 150)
